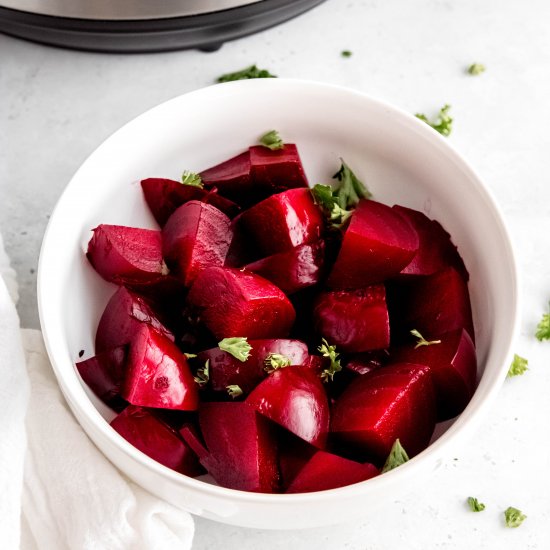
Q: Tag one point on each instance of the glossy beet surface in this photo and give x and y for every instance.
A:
(294, 397)
(157, 374)
(354, 320)
(195, 237)
(165, 196)
(241, 450)
(293, 270)
(231, 302)
(123, 316)
(328, 471)
(103, 374)
(393, 402)
(156, 439)
(226, 370)
(361, 363)
(377, 244)
(453, 368)
(283, 221)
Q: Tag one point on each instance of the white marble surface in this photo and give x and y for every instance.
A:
(56, 106)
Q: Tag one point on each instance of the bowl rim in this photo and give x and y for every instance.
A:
(464, 424)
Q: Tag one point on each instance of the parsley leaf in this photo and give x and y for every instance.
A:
(443, 124)
(346, 53)
(245, 74)
(191, 178)
(335, 366)
(203, 374)
(513, 517)
(543, 328)
(324, 197)
(476, 69)
(237, 347)
(518, 366)
(190, 355)
(422, 341)
(272, 140)
(475, 505)
(234, 391)
(351, 189)
(276, 361)
(397, 457)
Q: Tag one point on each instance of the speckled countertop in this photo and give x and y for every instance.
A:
(58, 105)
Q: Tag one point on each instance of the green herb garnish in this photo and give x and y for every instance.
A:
(276, 361)
(191, 178)
(518, 366)
(203, 374)
(513, 517)
(476, 69)
(543, 328)
(397, 456)
(237, 347)
(351, 187)
(475, 505)
(335, 366)
(443, 124)
(234, 391)
(272, 140)
(245, 74)
(324, 197)
(422, 341)
(346, 53)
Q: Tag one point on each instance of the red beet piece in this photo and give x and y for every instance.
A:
(294, 398)
(327, 471)
(126, 255)
(362, 363)
(123, 316)
(453, 367)
(226, 370)
(294, 453)
(283, 221)
(103, 374)
(157, 440)
(377, 244)
(235, 303)
(435, 251)
(195, 237)
(241, 447)
(354, 320)
(437, 304)
(293, 270)
(395, 401)
(157, 374)
(165, 196)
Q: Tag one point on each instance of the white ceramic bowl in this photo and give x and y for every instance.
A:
(400, 158)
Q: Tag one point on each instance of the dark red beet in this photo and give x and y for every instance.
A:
(362, 363)
(395, 401)
(294, 398)
(327, 471)
(377, 244)
(126, 255)
(354, 320)
(453, 368)
(283, 221)
(226, 370)
(164, 196)
(103, 374)
(157, 374)
(123, 316)
(157, 440)
(195, 237)
(241, 447)
(236, 303)
(293, 270)
(294, 453)
(435, 251)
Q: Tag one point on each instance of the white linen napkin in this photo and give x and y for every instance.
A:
(68, 495)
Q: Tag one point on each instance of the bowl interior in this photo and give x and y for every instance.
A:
(399, 158)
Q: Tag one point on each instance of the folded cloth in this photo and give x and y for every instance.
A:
(73, 497)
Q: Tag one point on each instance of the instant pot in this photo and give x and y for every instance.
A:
(143, 25)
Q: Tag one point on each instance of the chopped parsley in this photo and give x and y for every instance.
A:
(191, 178)
(276, 361)
(203, 374)
(518, 366)
(475, 505)
(237, 347)
(245, 74)
(397, 457)
(234, 391)
(272, 140)
(335, 366)
(421, 341)
(543, 328)
(346, 53)
(476, 69)
(513, 517)
(444, 122)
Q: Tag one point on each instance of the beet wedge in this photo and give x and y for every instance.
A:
(294, 270)
(354, 320)
(453, 367)
(165, 196)
(195, 237)
(328, 471)
(294, 397)
(240, 449)
(123, 316)
(226, 370)
(157, 440)
(157, 374)
(231, 302)
(378, 243)
(395, 401)
(103, 374)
